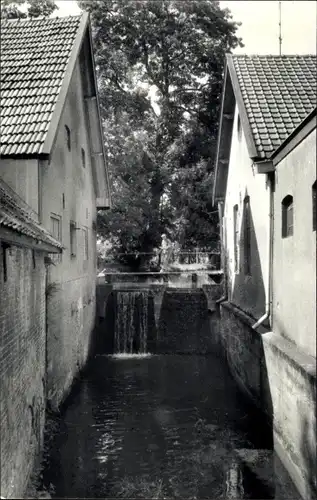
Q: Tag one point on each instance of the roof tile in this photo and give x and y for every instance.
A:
(34, 57)
(278, 93)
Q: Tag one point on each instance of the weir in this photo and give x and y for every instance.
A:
(131, 322)
(136, 318)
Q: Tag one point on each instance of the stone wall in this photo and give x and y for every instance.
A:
(22, 366)
(281, 380)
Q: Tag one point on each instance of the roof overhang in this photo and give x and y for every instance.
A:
(224, 139)
(16, 238)
(264, 166)
(299, 134)
(231, 96)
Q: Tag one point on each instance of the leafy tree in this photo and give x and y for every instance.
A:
(175, 50)
(21, 9)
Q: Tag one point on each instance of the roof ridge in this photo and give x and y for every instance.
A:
(273, 55)
(40, 18)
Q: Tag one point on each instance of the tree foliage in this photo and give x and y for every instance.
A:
(21, 9)
(160, 68)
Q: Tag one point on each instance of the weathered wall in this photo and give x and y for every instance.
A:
(22, 366)
(68, 192)
(22, 177)
(281, 380)
(294, 257)
(247, 291)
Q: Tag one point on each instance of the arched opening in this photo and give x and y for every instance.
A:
(314, 206)
(287, 216)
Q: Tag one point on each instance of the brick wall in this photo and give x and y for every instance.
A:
(22, 366)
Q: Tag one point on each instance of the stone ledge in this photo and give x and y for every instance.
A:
(243, 316)
(293, 354)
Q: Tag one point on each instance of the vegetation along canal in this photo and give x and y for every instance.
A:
(172, 426)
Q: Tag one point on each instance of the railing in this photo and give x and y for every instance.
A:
(170, 259)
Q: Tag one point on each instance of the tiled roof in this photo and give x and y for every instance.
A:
(17, 216)
(34, 56)
(278, 93)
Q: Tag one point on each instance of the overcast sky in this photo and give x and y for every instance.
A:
(259, 29)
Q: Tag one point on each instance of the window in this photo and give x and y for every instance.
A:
(68, 138)
(56, 227)
(85, 234)
(236, 237)
(56, 232)
(5, 248)
(83, 157)
(247, 235)
(239, 128)
(287, 216)
(314, 206)
(73, 239)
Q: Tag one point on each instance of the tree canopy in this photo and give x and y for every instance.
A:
(160, 69)
(20, 9)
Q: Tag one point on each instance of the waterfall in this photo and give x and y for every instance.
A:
(131, 322)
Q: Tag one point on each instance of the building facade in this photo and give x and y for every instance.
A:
(53, 165)
(265, 187)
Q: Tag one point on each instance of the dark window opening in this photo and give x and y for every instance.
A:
(236, 238)
(85, 231)
(239, 128)
(287, 216)
(83, 157)
(247, 236)
(56, 232)
(68, 138)
(63, 201)
(73, 239)
(314, 206)
(4, 247)
(33, 259)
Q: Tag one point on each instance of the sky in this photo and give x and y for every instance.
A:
(259, 30)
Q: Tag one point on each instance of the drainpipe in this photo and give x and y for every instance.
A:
(267, 313)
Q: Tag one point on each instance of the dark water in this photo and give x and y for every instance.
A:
(162, 427)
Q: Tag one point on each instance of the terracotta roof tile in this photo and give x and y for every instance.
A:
(278, 93)
(34, 57)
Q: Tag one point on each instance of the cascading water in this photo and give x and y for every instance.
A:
(131, 322)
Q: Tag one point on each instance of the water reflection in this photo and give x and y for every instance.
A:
(160, 427)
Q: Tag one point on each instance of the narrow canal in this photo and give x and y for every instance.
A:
(167, 426)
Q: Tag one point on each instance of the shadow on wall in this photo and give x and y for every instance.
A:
(308, 443)
(247, 286)
(243, 346)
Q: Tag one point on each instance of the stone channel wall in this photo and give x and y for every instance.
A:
(281, 380)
